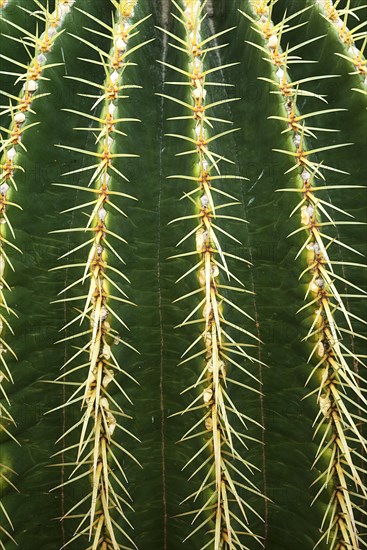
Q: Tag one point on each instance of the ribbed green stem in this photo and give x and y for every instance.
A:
(197, 384)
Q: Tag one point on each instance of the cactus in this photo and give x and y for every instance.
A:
(183, 281)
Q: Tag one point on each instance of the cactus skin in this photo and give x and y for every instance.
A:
(204, 465)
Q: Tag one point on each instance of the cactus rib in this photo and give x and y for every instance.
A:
(338, 392)
(99, 448)
(30, 74)
(224, 507)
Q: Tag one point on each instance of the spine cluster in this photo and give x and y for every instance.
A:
(225, 509)
(341, 444)
(338, 18)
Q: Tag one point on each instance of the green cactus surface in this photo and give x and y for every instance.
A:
(183, 286)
